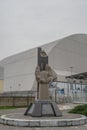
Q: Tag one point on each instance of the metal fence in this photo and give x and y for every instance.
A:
(68, 92)
(60, 92)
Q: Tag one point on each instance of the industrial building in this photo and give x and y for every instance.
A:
(67, 56)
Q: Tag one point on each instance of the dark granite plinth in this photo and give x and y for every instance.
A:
(43, 108)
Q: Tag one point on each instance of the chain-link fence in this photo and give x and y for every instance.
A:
(68, 92)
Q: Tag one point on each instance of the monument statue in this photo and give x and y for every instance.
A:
(44, 74)
(43, 78)
(43, 71)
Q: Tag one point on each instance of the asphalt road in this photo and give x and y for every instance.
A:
(5, 127)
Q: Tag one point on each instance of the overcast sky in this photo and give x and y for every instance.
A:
(29, 23)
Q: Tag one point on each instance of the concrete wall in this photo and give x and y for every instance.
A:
(16, 101)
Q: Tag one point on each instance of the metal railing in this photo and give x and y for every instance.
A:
(64, 94)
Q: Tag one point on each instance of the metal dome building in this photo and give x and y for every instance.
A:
(66, 56)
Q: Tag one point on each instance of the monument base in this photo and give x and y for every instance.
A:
(41, 108)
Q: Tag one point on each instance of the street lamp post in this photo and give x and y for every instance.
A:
(71, 84)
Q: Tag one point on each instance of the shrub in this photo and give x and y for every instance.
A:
(81, 109)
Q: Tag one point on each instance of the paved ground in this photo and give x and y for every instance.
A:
(3, 127)
(61, 107)
(68, 106)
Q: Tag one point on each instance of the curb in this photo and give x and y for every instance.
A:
(43, 122)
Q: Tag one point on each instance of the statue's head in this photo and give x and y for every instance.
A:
(43, 53)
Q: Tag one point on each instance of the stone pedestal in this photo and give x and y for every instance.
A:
(41, 108)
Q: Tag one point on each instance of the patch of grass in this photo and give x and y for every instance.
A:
(81, 109)
(10, 107)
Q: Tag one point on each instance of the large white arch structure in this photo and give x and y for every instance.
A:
(63, 54)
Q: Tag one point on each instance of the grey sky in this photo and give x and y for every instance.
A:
(28, 23)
